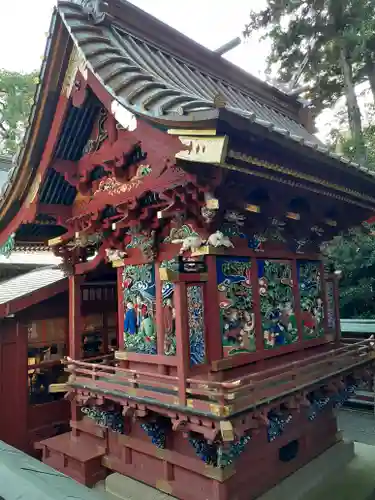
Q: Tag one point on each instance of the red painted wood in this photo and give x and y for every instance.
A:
(337, 308)
(75, 319)
(182, 340)
(259, 337)
(214, 345)
(297, 303)
(120, 310)
(13, 384)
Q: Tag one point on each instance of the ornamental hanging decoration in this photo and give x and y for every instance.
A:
(7, 248)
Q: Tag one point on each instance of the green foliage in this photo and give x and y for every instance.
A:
(347, 146)
(354, 255)
(325, 45)
(16, 97)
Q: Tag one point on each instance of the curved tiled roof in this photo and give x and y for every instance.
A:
(159, 80)
(27, 283)
(150, 79)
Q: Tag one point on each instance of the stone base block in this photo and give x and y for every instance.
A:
(329, 464)
(126, 488)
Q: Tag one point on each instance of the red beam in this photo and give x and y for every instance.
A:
(85, 267)
(60, 212)
(68, 169)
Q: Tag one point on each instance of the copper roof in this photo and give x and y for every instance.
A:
(154, 71)
(27, 283)
(159, 81)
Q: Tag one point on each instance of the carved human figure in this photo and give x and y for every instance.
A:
(247, 336)
(130, 321)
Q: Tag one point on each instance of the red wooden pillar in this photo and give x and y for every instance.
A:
(182, 340)
(297, 302)
(336, 298)
(213, 340)
(324, 297)
(75, 333)
(120, 310)
(160, 331)
(259, 336)
(75, 318)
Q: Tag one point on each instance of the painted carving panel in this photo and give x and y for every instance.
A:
(139, 306)
(237, 316)
(277, 306)
(331, 309)
(195, 306)
(310, 289)
(169, 318)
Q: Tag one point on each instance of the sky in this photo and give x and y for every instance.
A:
(209, 22)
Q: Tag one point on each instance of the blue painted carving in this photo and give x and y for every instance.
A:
(217, 454)
(277, 303)
(157, 431)
(318, 402)
(195, 305)
(113, 420)
(277, 421)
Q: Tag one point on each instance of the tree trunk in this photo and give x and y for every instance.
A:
(354, 113)
(370, 71)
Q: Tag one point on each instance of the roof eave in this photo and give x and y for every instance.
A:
(295, 144)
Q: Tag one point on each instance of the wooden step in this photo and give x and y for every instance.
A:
(77, 457)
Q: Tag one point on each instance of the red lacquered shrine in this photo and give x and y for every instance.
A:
(205, 190)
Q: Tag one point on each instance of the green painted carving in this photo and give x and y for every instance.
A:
(139, 309)
(277, 303)
(310, 289)
(236, 305)
(7, 248)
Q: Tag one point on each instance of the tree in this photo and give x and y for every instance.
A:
(324, 42)
(341, 141)
(16, 97)
(354, 255)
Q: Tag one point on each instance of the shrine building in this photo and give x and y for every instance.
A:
(188, 202)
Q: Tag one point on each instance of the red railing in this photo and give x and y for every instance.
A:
(237, 394)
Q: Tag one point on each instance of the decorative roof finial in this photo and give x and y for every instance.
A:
(94, 9)
(219, 101)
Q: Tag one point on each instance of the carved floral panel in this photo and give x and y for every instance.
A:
(331, 308)
(139, 309)
(277, 306)
(311, 297)
(237, 318)
(196, 325)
